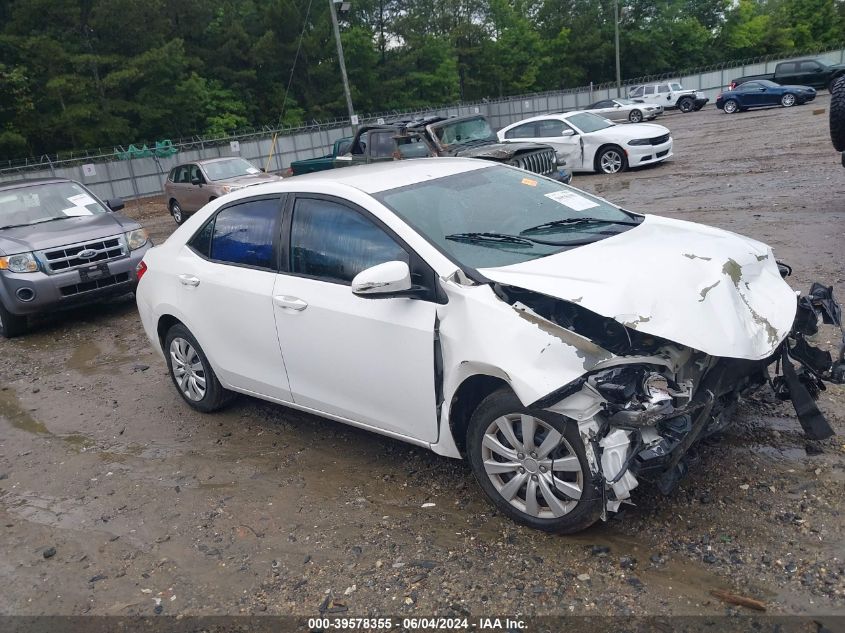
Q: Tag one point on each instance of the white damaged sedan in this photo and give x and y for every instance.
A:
(567, 348)
(590, 143)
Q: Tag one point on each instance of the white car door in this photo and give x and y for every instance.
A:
(227, 272)
(553, 132)
(367, 360)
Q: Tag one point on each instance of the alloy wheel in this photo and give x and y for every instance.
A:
(611, 162)
(635, 116)
(177, 213)
(730, 107)
(788, 100)
(532, 466)
(188, 369)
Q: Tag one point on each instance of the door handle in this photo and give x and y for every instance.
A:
(189, 280)
(290, 303)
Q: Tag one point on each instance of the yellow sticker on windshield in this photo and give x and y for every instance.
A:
(529, 182)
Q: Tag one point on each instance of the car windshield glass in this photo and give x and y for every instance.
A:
(467, 130)
(230, 168)
(675, 87)
(767, 83)
(479, 217)
(43, 203)
(624, 101)
(588, 122)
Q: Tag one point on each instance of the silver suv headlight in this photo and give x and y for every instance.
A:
(137, 238)
(20, 263)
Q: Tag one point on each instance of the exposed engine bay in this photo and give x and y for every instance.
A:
(641, 411)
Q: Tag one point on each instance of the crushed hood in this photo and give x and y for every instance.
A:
(494, 150)
(702, 287)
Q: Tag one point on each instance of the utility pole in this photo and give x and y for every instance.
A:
(616, 37)
(353, 120)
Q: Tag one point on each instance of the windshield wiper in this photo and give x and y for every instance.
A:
(554, 224)
(14, 226)
(499, 238)
(515, 240)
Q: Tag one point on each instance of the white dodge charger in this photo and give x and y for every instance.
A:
(481, 311)
(589, 142)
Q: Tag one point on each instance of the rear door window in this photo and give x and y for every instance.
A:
(548, 128)
(332, 242)
(526, 130)
(245, 234)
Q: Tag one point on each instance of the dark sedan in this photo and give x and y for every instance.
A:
(763, 93)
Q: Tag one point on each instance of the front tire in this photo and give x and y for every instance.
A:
(686, 104)
(837, 114)
(730, 106)
(11, 325)
(788, 100)
(611, 160)
(635, 116)
(191, 372)
(532, 465)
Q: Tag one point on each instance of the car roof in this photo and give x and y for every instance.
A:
(30, 182)
(382, 176)
(552, 115)
(204, 161)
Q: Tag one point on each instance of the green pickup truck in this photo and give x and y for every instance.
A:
(310, 165)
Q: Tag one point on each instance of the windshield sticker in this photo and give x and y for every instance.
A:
(572, 200)
(529, 182)
(83, 199)
(76, 211)
(252, 170)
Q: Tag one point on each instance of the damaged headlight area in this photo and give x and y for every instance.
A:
(642, 420)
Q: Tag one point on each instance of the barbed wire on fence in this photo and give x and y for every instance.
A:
(98, 155)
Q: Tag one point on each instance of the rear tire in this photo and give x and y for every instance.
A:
(191, 373)
(11, 325)
(546, 486)
(731, 106)
(837, 114)
(176, 212)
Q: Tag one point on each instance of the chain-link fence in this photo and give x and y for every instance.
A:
(131, 174)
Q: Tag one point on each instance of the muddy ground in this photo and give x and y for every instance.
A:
(261, 509)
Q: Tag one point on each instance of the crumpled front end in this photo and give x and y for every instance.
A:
(641, 409)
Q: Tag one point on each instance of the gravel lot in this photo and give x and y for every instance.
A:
(261, 509)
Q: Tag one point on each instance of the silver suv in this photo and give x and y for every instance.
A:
(61, 246)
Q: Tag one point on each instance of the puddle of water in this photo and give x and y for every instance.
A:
(83, 357)
(17, 416)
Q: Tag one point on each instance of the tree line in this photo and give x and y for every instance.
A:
(88, 73)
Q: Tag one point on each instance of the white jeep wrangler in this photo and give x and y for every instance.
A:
(669, 94)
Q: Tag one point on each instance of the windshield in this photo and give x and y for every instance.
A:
(675, 87)
(42, 203)
(464, 131)
(230, 168)
(625, 101)
(588, 122)
(451, 211)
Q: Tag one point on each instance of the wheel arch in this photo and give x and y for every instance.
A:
(165, 322)
(603, 147)
(463, 403)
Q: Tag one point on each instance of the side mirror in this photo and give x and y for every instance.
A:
(568, 133)
(382, 279)
(196, 181)
(115, 204)
(616, 105)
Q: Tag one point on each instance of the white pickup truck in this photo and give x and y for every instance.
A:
(669, 94)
